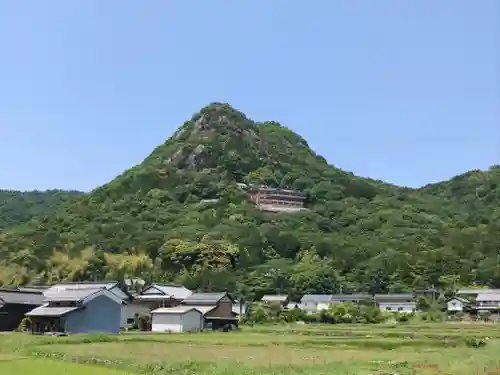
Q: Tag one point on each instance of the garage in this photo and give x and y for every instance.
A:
(176, 319)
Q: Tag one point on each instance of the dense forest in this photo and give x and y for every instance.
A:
(359, 234)
(17, 207)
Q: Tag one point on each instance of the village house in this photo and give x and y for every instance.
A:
(282, 299)
(472, 293)
(14, 304)
(457, 304)
(402, 302)
(217, 308)
(182, 318)
(313, 303)
(162, 295)
(488, 301)
(79, 310)
(129, 306)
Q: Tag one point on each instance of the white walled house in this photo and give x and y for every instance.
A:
(402, 307)
(313, 303)
(456, 304)
(176, 319)
(398, 302)
(488, 301)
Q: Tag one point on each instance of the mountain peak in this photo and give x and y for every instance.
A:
(182, 207)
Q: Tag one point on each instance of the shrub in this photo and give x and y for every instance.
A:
(25, 324)
(475, 342)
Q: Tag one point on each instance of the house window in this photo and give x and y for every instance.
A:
(130, 321)
(400, 309)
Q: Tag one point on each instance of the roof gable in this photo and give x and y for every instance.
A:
(175, 291)
(175, 310)
(206, 298)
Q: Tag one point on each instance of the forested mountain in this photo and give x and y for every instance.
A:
(358, 234)
(17, 207)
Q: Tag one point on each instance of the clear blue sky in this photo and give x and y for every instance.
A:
(404, 91)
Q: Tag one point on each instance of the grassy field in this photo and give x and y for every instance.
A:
(292, 349)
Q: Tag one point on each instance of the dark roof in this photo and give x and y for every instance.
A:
(205, 298)
(351, 297)
(14, 296)
(394, 297)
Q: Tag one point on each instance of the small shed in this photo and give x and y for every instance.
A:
(176, 319)
(456, 304)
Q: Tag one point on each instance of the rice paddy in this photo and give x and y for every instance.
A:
(443, 348)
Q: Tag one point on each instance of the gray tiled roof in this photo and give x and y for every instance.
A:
(316, 298)
(477, 291)
(350, 297)
(69, 295)
(174, 291)
(33, 288)
(14, 296)
(82, 285)
(45, 310)
(204, 298)
(174, 310)
(486, 297)
(393, 297)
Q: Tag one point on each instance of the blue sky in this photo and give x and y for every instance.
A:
(404, 91)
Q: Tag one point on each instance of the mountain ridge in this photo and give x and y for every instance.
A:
(359, 233)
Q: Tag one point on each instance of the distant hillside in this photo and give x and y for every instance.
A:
(477, 192)
(18, 207)
(181, 216)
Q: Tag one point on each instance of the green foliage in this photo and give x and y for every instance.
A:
(18, 207)
(25, 324)
(475, 342)
(181, 216)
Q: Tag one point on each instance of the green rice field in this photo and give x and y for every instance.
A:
(431, 348)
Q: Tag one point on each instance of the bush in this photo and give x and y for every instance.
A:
(293, 315)
(25, 324)
(474, 342)
(312, 318)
